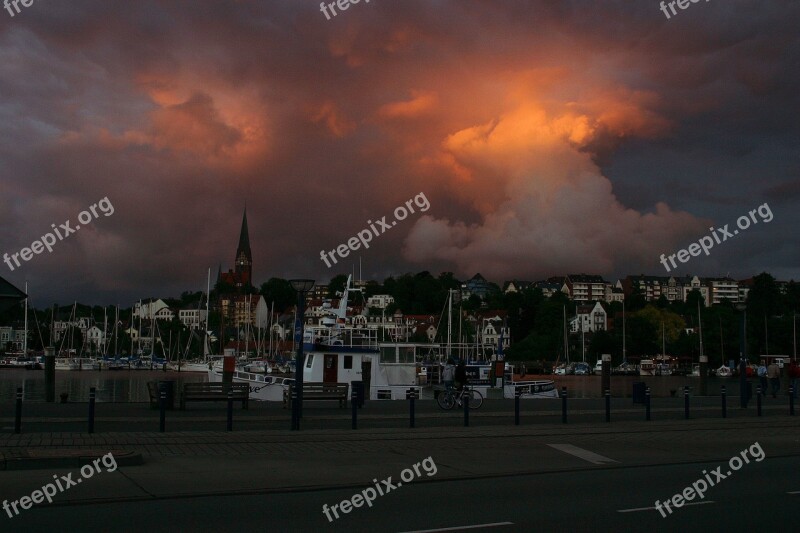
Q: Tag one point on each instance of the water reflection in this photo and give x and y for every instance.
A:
(112, 386)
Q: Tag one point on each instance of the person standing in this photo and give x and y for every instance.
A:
(448, 374)
(762, 377)
(774, 375)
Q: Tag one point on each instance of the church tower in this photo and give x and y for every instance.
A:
(244, 257)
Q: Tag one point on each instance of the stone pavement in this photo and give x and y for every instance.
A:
(204, 463)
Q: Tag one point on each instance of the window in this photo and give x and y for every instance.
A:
(406, 354)
(309, 359)
(348, 361)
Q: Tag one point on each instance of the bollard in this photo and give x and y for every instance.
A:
(517, 395)
(791, 401)
(647, 403)
(564, 405)
(411, 396)
(724, 402)
(758, 399)
(465, 400)
(162, 403)
(354, 403)
(230, 410)
(686, 402)
(295, 418)
(607, 394)
(92, 396)
(18, 416)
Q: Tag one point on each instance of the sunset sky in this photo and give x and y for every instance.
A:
(550, 137)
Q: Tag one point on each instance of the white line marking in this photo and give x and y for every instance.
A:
(653, 508)
(586, 455)
(493, 524)
(794, 492)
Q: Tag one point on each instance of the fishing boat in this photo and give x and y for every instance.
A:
(647, 367)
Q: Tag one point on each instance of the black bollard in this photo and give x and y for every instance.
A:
(230, 410)
(724, 402)
(18, 416)
(791, 401)
(758, 399)
(647, 403)
(686, 402)
(92, 396)
(411, 396)
(162, 404)
(49, 375)
(295, 417)
(517, 395)
(607, 394)
(465, 400)
(354, 403)
(564, 405)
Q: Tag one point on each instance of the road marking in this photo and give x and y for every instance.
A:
(586, 455)
(653, 508)
(794, 492)
(493, 524)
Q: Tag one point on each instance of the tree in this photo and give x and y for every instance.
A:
(279, 291)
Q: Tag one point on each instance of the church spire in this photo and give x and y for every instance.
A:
(244, 257)
(244, 238)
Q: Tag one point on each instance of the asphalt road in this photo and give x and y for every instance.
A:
(590, 498)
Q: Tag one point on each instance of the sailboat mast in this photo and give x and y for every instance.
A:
(566, 347)
(624, 359)
(700, 328)
(25, 339)
(449, 321)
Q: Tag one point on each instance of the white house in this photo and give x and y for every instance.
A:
(193, 318)
(95, 336)
(153, 309)
(380, 301)
(590, 319)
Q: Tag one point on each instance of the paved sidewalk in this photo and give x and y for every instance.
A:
(203, 463)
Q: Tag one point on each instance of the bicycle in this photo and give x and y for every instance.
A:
(448, 398)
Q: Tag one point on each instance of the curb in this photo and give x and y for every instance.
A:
(36, 459)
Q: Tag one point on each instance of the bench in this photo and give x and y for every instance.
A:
(318, 391)
(212, 392)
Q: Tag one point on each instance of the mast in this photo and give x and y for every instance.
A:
(794, 336)
(624, 360)
(700, 327)
(566, 347)
(116, 333)
(25, 339)
(766, 333)
(449, 321)
(721, 341)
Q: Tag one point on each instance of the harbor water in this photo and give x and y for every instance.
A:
(110, 385)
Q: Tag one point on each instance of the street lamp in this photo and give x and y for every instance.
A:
(302, 286)
(742, 356)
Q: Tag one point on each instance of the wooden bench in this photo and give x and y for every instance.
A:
(214, 392)
(319, 391)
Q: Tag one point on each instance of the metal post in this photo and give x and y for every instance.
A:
(230, 410)
(517, 395)
(743, 383)
(162, 403)
(686, 402)
(647, 403)
(703, 375)
(49, 375)
(354, 403)
(791, 400)
(18, 416)
(411, 395)
(605, 381)
(724, 402)
(758, 399)
(607, 394)
(297, 406)
(465, 399)
(92, 396)
(564, 405)
(293, 399)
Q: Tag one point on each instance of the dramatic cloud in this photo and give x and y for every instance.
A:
(549, 137)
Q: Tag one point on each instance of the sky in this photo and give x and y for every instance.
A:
(545, 137)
